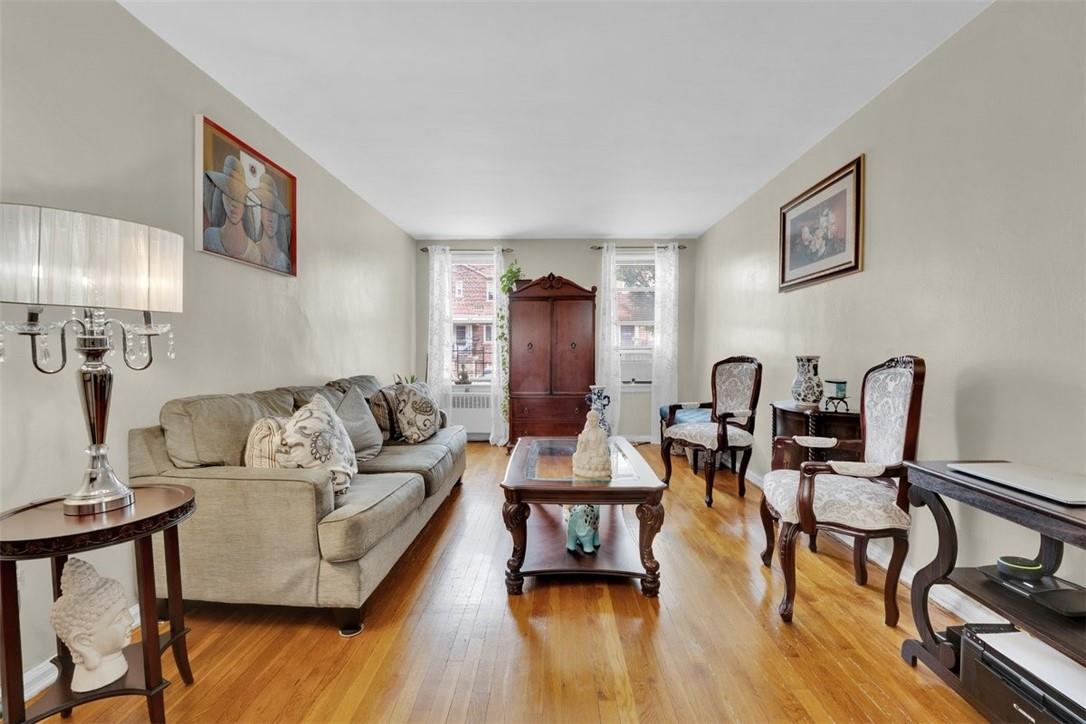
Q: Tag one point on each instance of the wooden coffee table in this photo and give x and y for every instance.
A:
(539, 480)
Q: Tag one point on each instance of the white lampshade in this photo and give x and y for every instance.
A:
(71, 259)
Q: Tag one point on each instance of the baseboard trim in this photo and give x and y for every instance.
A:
(947, 598)
(37, 678)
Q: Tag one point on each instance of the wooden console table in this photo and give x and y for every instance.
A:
(1057, 524)
(791, 418)
(41, 530)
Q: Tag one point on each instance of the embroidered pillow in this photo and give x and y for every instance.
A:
(362, 429)
(315, 438)
(417, 415)
(265, 443)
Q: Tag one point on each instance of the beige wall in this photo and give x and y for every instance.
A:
(97, 115)
(975, 257)
(573, 259)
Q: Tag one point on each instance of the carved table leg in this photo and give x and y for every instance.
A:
(651, 515)
(57, 565)
(11, 649)
(931, 647)
(176, 604)
(516, 522)
(152, 662)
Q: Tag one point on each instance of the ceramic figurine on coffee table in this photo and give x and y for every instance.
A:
(593, 456)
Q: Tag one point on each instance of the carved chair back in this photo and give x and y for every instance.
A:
(737, 382)
(890, 410)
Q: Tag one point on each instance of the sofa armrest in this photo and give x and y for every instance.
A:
(253, 536)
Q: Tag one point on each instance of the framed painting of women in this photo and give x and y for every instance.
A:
(822, 231)
(246, 204)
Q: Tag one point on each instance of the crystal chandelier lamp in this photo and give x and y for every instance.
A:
(88, 264)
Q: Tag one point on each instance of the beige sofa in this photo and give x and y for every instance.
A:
(281, 537)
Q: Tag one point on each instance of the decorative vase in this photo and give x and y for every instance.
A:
(807, 387)
(598, 400)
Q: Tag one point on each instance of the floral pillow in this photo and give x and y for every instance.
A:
(316, 438)
(417, 415)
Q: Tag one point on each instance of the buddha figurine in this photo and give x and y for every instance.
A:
(91, 617)
(593, 456)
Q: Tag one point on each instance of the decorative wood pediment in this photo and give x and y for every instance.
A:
(551, 286)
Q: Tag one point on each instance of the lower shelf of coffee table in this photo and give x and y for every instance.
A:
(546, 554)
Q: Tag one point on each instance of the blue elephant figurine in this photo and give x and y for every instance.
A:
(583, 527)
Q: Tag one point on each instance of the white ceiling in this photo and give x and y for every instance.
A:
(549, 119)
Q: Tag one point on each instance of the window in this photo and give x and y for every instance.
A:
(635, 314)
(472, 316)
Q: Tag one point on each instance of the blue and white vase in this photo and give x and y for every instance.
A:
(599, 400)
(807, 386)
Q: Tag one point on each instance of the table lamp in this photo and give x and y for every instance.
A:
(89, 263)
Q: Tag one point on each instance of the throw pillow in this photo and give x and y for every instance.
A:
(417, 415)
(315, 438)
(383, 407)
(265, 443)
(362, 429)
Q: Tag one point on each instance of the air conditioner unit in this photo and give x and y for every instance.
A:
(472, 410)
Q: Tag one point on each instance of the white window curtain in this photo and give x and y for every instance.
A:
(499, 378)
(608, 366)
(439, 343)
(665, 351)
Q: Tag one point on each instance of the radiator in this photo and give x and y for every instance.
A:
(472, 410)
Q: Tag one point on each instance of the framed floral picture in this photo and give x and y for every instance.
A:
(822, 229)
(246, 204)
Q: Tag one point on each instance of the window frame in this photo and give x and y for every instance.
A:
(633, 257)
(474, 258)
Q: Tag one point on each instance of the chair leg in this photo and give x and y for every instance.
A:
(893, 572)
(665, 452)
(789, 532)
(812, 542)
(694, 459)
(859, 560)
(710, 475)
(743, 463)
(770, 532)
(733, 461)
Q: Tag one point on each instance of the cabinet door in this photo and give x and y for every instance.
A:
(530, 346)
(574, 351)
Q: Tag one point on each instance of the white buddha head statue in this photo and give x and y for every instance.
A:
(91, 617)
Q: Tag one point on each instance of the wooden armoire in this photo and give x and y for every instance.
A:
(552, 356)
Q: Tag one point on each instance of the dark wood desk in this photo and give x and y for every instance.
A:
(41, 530)
(1057, 524)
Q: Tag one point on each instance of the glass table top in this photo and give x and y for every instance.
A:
(551, 460)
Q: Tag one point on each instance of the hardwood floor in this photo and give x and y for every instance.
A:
(444, 643)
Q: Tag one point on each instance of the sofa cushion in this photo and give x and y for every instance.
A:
(304, 395)
(367, 383)
(265, 444)
(355, 414)
(688, 414)
(453, 438)
(371, 509)
(433, 462)
(212, 429)
(417, 417)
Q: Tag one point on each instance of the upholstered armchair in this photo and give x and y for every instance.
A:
(736, 383)
(863, 500)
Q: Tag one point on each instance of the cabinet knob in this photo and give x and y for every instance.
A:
(573, 345)
(531, 347)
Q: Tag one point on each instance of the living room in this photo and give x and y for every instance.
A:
(543, 361)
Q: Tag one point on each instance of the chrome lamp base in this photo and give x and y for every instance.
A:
(101, 491)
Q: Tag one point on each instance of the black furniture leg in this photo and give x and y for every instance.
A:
(11, 647)
(349, 621)
(931, 647)
(176, 605)
(57, 565)
(152, 652)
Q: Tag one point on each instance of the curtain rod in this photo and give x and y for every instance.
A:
(426, 249)
(597, 247)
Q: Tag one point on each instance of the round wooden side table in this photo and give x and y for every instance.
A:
(41, 530)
